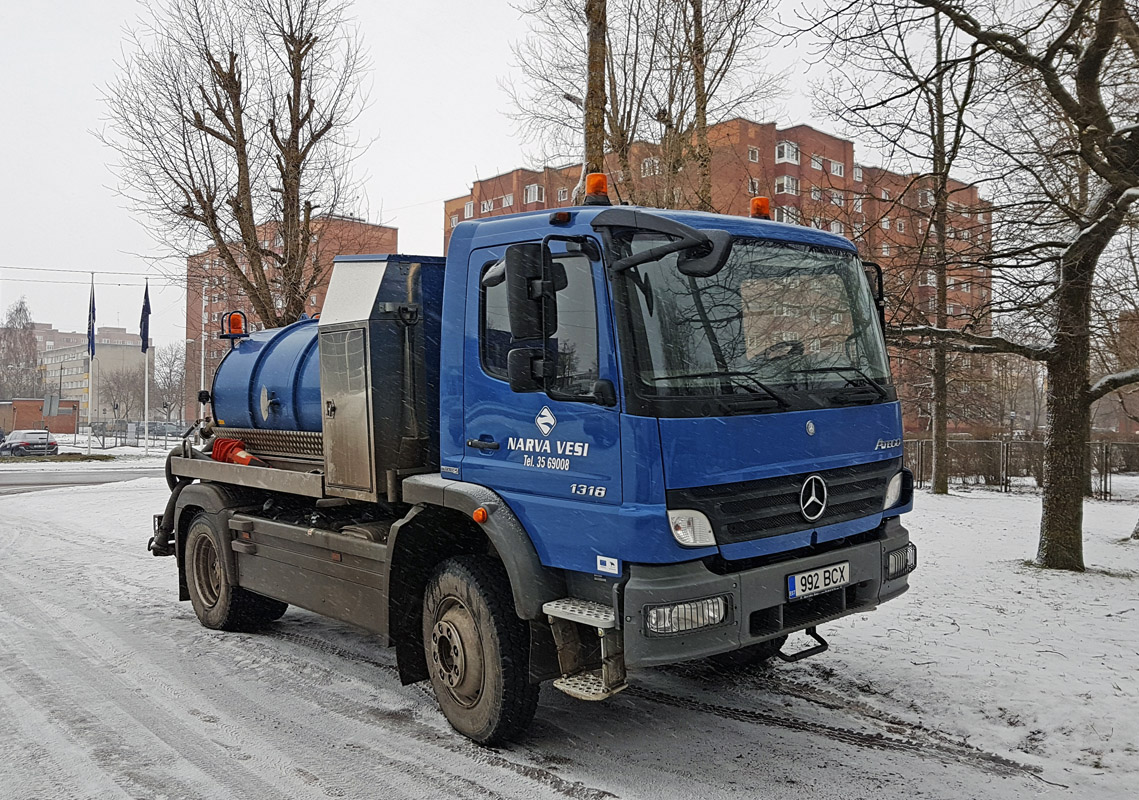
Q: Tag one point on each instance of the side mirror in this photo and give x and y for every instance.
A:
(531, 288)
(526, 369)
(877, 288)
(706, 259)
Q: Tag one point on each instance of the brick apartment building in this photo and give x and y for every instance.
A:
(206, 275)
(813, 179)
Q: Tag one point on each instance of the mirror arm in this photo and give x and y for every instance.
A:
(655, 253)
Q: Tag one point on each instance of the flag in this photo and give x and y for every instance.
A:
(91, 321)
(144, 320)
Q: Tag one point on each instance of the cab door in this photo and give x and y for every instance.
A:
(527, 441)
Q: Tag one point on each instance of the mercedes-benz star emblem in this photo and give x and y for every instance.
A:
(813, 498)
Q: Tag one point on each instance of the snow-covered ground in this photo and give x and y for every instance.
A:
(988, 679)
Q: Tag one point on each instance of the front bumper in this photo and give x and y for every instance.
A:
(760, 609)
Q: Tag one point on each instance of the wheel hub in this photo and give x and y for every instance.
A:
(456, 654)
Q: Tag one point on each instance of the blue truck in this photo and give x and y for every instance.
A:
(589, 441)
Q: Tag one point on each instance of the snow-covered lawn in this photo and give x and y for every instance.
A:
(1037, 665)
(111, 689)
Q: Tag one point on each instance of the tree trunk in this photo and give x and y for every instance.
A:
(699, 56)
(1069, 419)
(595, 13)
(939, 156)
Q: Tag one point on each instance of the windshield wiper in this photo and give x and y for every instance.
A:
(877, 387)
(730, 375)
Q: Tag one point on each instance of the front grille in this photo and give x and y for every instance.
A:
(770, 506)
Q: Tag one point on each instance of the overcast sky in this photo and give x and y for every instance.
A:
(437, 118)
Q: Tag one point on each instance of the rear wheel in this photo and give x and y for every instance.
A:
(217, 602)
(478, 650)
(750, 655)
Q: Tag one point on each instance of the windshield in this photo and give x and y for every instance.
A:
(778, 322)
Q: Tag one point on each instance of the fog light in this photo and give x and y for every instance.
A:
(893, 492)
(681, 617)
(901, 562)
(691, 528)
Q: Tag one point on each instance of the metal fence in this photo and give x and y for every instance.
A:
(1018, 466)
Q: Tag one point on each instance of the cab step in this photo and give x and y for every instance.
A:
(569, 618)
(587, 686)
(587, 612)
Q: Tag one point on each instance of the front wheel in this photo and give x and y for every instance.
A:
(217, 602)
(478, 650)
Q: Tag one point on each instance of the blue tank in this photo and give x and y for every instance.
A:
(271, 381)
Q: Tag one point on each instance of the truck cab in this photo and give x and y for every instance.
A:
(591, 441)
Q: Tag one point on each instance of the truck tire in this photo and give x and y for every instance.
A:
(219, 604)
(749, 656)
(478, 650)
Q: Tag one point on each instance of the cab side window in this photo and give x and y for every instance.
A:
(575, 338)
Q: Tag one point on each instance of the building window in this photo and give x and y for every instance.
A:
(312, 299)
(486, 206)
(753, 155)
(885, 223)
(837, 198)
(563, 194)
(785, 184)
(838, 169)
(788, 214)
(857, 174)
(816, 162)
(817, 222)
(858, 203)
(753, 185)
(885, 194)
(650, 166)
(454, 220)
(836, 227)
(508, 200)
(925, 198)
(856, 229)
(468, 209)
(927, 278)
(535, 193)
(816, 193)
(885, 248)
(901, 226)
(785, 153)
(964, 233)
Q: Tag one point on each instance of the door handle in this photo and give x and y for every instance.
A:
(481, 445)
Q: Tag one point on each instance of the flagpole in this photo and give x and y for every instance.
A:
(144, 335)
(91, 393)
(146, 403)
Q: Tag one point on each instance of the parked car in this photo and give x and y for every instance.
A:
(29, 443)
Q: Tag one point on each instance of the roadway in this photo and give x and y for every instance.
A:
(32, 481)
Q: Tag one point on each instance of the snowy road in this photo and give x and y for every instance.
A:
(109, 688)
(29, 481)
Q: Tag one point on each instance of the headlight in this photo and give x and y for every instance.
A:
(691, 528)
(681, 617)
(893, 492)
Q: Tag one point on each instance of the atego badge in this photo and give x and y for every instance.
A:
(813, 498)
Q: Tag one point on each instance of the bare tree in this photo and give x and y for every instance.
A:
(121, 390)
(1064, 136)
(908, 85)
(169, 380)
(19, 375)
(653, 56)
(230, 115)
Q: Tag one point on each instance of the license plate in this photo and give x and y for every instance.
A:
(803, 584)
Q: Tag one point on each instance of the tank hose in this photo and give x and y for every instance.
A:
(162, 542)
